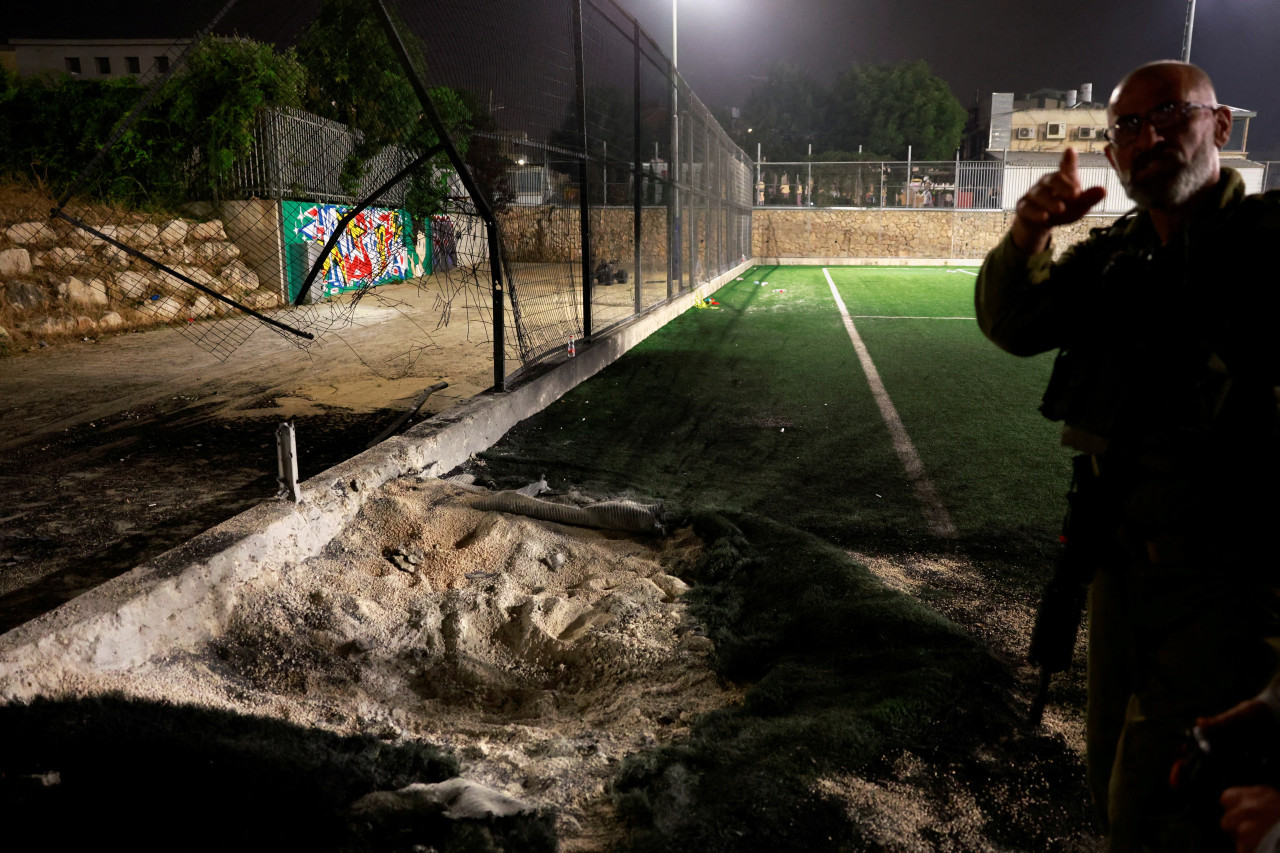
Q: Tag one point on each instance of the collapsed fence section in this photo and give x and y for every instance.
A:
(548, 163)
(616, 190)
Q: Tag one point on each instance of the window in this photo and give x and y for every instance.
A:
(73, 64)
(133, 65)
(162, 64)
(103, 63)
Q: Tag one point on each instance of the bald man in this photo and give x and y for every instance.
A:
(1165, 382)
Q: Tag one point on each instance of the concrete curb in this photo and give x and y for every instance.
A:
(184, 597)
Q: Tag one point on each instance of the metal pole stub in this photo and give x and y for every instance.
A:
(287, 463)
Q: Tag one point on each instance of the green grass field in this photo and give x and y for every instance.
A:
(762, 405)
(756, 422)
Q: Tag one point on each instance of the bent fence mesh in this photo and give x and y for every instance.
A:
(515, 158)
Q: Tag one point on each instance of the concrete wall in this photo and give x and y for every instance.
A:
(829, 235)
(254, 226)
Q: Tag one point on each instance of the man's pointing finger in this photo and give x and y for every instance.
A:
(1068, 167)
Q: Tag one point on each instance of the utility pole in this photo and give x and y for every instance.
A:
(1186, 30)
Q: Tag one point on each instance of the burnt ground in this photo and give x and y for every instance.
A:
(99, 498)
(114, 450)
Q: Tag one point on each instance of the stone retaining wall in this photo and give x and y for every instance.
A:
(550, 234)
(56, 279)
(873, 234)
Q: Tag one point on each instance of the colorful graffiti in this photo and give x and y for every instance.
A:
(376, 247)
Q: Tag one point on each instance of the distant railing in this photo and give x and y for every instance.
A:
(299, 155)
(947, 183)
(953, 184)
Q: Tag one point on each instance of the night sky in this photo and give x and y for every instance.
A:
(976, 46)
(980, 45)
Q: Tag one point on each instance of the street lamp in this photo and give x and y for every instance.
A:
(673, 32)
(1186, 30)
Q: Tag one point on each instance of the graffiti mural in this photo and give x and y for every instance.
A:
(375, 248)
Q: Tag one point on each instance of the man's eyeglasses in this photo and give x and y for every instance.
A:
(1165, 117)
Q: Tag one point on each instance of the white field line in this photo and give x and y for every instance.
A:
(935, 513)
(906, 317)
(966, 272)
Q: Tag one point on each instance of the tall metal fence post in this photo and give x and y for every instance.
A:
(721, 256)
(637, 173)
(955, 204)
(688, 224)
(483, 207)
(675, 246)
(580, 84)
(907, 191)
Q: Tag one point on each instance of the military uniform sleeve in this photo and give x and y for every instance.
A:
(1018, 300)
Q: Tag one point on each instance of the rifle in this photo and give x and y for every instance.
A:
(1053, 636)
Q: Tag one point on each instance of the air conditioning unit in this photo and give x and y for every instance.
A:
(1024, 133)
(1055, 130)
(1087, 133)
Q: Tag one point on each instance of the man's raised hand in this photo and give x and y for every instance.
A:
(1056, 199)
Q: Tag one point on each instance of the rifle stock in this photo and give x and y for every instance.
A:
(1053, 636)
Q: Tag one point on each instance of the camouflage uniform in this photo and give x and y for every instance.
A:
(1167, 375)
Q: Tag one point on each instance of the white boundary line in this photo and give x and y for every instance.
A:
(935, 513)
(906, 317)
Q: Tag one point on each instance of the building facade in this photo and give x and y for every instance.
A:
(98, 59)
(1029, 133)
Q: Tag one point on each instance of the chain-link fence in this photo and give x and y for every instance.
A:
(595, 224)
(297, 154)
(518, 155)
(967, 185)
(952, 184)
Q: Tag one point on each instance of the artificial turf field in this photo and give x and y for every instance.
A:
(756, 422)
(762, 405)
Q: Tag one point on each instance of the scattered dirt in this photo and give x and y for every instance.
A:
(541, 654)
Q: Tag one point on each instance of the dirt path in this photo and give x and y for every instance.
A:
(114, 450)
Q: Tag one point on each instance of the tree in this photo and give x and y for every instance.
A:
(888, 107)
(787, 112)
(610, 130)
(355, 77)
(214, 100)
(50, 128)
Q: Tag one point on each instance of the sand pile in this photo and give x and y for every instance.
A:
(542, 654)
